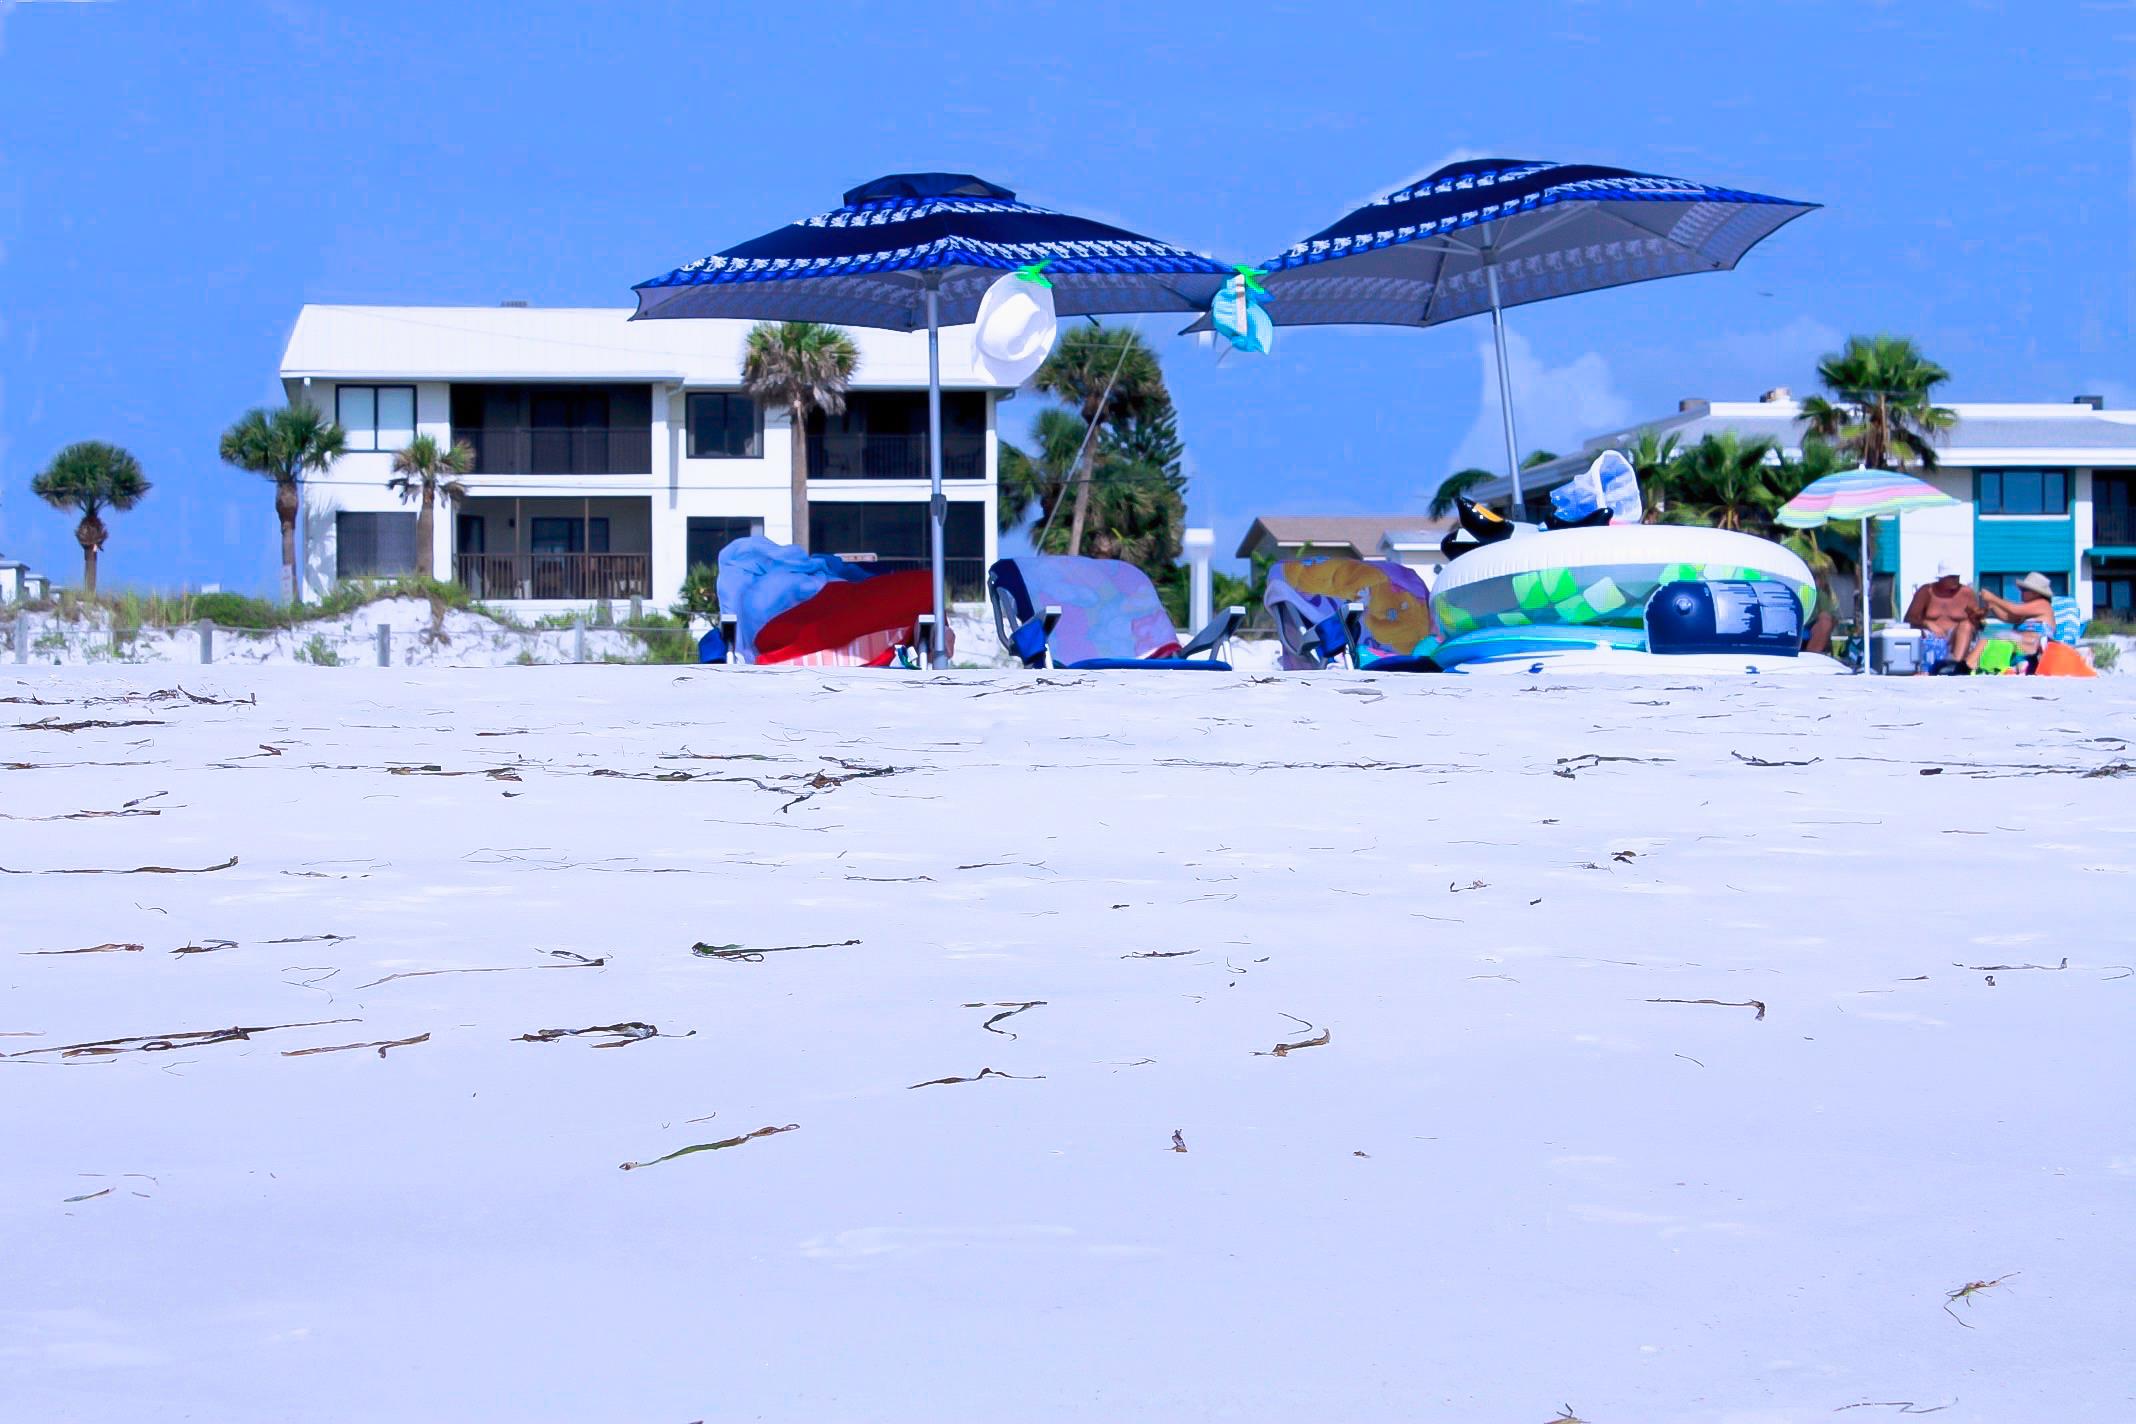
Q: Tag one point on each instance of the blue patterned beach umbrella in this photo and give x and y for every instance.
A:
(914, 250)
(1489, 233)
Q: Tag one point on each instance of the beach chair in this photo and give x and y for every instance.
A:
(1343, 612)
(1091, 614)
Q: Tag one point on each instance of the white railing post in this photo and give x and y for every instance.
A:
(578, 639)
(22, 637)
(206, 630)
(1198, 545)
(385, 645)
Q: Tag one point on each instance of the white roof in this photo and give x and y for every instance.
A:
(573, 344)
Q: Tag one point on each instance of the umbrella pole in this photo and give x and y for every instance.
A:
(1505, 382)
(937, 507)
(1868, 577)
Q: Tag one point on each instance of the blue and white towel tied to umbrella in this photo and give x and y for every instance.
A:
(1239, 317)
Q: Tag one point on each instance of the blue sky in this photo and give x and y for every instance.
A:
(177, 178)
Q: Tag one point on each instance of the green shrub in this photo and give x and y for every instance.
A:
(665, 638)
(229, 610)
(318, 652)
(347, 597)
(700, 592)
(2105, 656)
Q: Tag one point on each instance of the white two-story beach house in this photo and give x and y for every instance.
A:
(613, 455)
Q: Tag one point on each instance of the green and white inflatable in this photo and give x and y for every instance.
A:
(1600, 577)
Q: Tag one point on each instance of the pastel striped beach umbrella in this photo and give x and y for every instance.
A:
(1847, 495)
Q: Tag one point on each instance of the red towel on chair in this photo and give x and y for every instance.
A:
(860, 624)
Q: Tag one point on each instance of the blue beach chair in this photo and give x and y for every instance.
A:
(1092, 614)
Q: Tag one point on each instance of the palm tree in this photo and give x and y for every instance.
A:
(421, 470)
(1101, 372)
(91, 477)
(1882, 415)
(1723, 482)
(284, 445)
(803, 367)
(1455, 486)
(1042, 476)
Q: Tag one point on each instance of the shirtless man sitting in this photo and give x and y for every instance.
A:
(1948, 612)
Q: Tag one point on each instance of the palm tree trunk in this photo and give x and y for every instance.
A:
(799, 478)
(285, 508)
(90, 535)
(425, 532)
(1084, 472)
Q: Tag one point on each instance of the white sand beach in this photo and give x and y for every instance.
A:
(1064, 1046)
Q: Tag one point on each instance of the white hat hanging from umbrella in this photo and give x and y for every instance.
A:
(1014, 331)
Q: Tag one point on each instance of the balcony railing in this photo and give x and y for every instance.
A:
(2115, 527)
(556, 576)
(838, 456)
(558, 449)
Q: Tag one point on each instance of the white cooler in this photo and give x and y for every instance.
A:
(1897, 651)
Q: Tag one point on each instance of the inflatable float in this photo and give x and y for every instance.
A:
(1600, 576)
(1578, 599)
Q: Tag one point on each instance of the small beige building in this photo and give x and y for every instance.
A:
(1408, 539)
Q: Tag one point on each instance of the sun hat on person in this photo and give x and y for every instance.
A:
(1946, 569)
(2036, 583)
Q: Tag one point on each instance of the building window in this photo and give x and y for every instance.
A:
(376, 417)
(2024, 491)
(2114, 595)
(2005, 585)
(895, 532)
(724, 425)
(570, 536)
(706, 537)
(374, 545)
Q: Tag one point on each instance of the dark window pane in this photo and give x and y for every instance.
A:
(2024, 492)
(555, 536)
(2004, 585)
(895, 531)
(708, 536)
(374, 545)
(555, 429)
(723, 426)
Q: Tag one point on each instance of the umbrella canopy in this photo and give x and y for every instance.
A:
(913, 250)
(1848, 495)
(1863, 495)
(872, 261)
(1419, 256)
(1489, 233)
